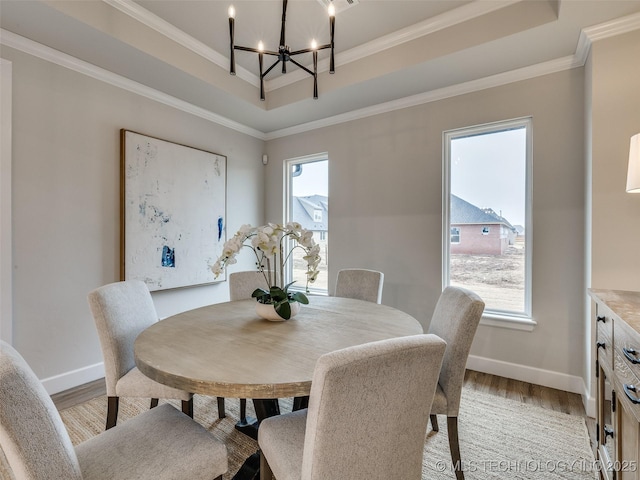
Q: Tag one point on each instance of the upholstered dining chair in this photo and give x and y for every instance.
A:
(162, 443)
(361, 284)
(455, 320)
(241, 286)
(337, 437)
(122, 310)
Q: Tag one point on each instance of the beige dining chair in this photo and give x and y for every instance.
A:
(455, 320)
(337, 437)
(122, 310)
(361, 284)
(158, 444)
(242, 284)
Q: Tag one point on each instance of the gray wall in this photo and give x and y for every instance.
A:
(615, 214)
(65, 205)
(385, 189)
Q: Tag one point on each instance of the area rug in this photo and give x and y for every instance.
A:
(499, 438)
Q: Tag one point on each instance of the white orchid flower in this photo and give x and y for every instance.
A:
(245, 230)
(267, 243)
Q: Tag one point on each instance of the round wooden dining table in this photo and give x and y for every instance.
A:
(227, 350)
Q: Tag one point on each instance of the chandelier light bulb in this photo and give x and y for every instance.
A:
(232, 12)
(260, 46)
(314, 44)
(332, 10)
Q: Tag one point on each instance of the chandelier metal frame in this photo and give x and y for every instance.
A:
(284, 53)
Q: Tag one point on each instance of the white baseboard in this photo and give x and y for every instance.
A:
(536, 376)
(589, 405)
(74, 378)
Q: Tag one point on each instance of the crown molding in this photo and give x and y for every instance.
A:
(500, 79)
(431, 25)
(587, 36)
(49, 54)
(612, 28)
(604, 30)
(163, 27)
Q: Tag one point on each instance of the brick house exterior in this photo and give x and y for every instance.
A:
(478, 230)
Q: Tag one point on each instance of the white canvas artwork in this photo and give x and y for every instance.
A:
(174, 212)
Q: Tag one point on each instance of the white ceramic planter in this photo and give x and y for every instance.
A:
(267, 311)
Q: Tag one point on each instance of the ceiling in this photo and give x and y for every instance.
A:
(386, 50)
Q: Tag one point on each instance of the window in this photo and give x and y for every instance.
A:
(307, 202)
(487, 187)
(455, 235)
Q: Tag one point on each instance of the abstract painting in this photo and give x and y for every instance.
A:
(173, 212)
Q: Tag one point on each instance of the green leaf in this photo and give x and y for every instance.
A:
(284, 310)
(261, 295)
(299, 297)
(286, 288)
(277, 294)
(259, 292)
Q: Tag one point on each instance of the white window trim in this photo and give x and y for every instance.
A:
(286, 201)
(6, 262)
(498, 318)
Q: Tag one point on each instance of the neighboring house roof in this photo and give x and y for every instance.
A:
(304, 209)
(519, 229)
(463, 212)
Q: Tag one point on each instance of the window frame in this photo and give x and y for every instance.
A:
(288, 211)
(493, 316)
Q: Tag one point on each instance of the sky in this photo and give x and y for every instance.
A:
(314, 180)
(489, 171)
(486, 170)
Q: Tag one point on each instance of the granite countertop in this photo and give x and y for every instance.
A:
(623, 304)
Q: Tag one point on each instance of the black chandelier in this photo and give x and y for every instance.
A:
(284, 54)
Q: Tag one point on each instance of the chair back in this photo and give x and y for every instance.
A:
(243, 284)
(360, 284)
(121, 310)
(455, 320)
(358, 421)
(32, 434)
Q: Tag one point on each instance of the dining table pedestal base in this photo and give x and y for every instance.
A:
(264, 407)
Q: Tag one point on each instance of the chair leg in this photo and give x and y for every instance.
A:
(300, 402)
(154, 403)
(265, 469)
(221, 411)
(454, 446)
(187, 407)
(112, 412)
(434, 422)
(243, 410)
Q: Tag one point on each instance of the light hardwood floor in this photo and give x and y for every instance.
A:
(544, 397)
(549, 398)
